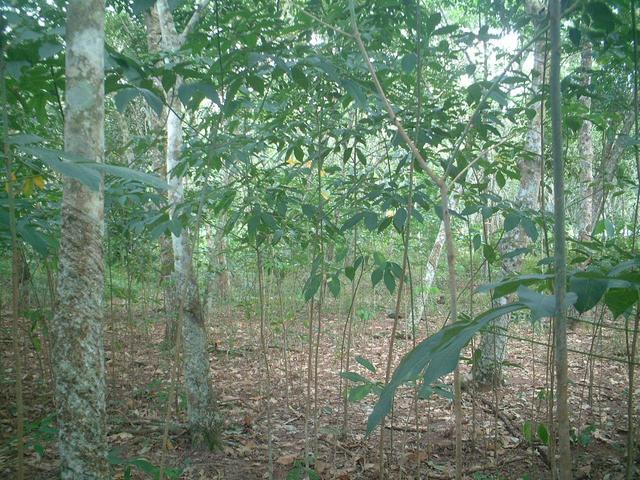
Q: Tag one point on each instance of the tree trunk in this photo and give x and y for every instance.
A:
(487, 367)
(218, 277)
(78, 352)
(585, 152)
(430, 273)
(204, 421)
(611, 153)
(158, 155)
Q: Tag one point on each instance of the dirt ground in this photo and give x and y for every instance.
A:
(501, 439)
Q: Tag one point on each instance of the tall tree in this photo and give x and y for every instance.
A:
(493, 344)
(158, 158)
(78, 352)
(203, 416)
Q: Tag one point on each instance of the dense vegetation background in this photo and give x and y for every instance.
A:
(223, 224)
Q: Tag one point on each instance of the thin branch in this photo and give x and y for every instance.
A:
(328, 25)
(387, 105)
(193, 21)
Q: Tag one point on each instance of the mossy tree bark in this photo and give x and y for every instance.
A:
(77, 330)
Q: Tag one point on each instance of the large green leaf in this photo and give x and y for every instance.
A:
(434, 357)
(589, 288)
(619, 300)
(53, 159)
(128, 174)
(542, 305)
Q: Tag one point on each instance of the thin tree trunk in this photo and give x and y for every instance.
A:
(430, 273)
(560, 320)
(204, 421)
(612, 152)
(585, 152)
(158, 154)
(77, 330)
(487, 369)
(218, 275)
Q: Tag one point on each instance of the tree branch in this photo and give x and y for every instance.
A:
(201, 6)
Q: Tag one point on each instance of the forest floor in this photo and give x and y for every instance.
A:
(501, 436)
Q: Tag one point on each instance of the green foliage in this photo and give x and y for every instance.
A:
(143, 465)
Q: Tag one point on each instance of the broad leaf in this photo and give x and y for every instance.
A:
(434, 357)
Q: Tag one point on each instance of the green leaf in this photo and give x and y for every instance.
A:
(52, 159)
(129, 174)
(298, 76)
(542, 305)
(334, 286)
(477, 241)
(527, 432)
(389, 280)
(47, 50)
(366, 363)
(530, 228)
(601, 15)
(350, 272)
(376, 276)
(575, 35)
(409, 62)
(511, 221)
(355, 91)
(311, 287)
(432, 22)
(511, 284)
(489, 253)
(500, 180)
(371, 220)
(400, 218)
(543, 433)
(33, 237)
(589, 291)
(358, 393)
(354, 377)
(434, 357)
(24, 139)
(446, 30)
(619, 300)
(191, 94)
(353, 221)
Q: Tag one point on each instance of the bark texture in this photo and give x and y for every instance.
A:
(78, 352)
(487, 367)
(430, 270)
(158, 158)
(204, 421)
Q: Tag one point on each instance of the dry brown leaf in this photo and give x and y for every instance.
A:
(286, 459)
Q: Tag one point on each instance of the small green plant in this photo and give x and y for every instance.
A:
(364, 386)
(364, 315)
(300, 471)
(115, 458)
(541, 433)
(584, 437)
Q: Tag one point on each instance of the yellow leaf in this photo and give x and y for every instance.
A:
(325, 195)
(38, 181)
(389, 213)
(292, 161)
(27, 187)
